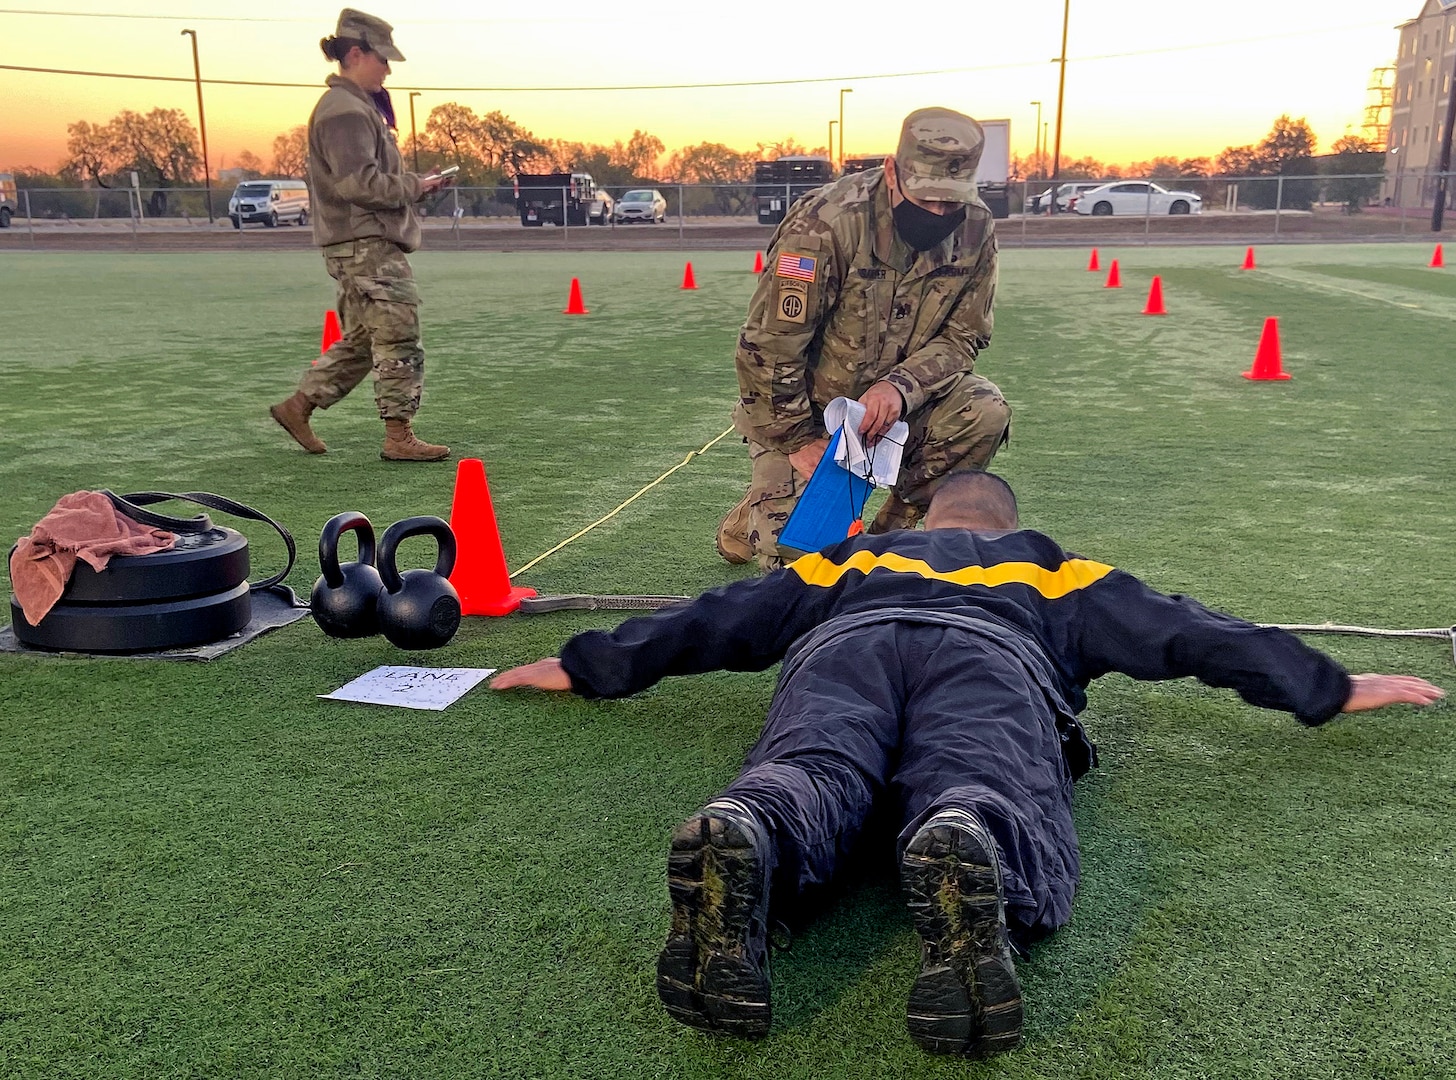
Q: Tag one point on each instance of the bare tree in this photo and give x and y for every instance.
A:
(290, 153)
(250, 165)
(161, 148)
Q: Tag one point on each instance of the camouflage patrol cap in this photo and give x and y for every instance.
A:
(375, 33)
(938, 154)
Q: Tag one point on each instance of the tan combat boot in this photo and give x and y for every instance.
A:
(895, 514)
(293, 414)
(732, 542)
(400, 444)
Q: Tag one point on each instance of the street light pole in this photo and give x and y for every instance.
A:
(1061, 98)
(1439, 213)
(414, 139)
(202, 124)
(1036, 135)
(830, 151)
(842, 91)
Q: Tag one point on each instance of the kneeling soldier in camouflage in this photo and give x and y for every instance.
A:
(878, 288)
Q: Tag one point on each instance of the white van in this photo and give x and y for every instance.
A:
(273, 202)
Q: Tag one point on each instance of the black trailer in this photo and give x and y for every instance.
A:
(777, 185)
(562, 199)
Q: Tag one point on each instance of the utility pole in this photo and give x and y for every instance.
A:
(830, 151)
(1036, 152)
(202, 124)
(1061, 98)
(414, 139)
(842, 91)
(1442, 179)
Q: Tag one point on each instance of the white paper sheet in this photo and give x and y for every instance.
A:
(881, 464)
(412, 687)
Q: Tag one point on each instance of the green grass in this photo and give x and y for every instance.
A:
(205, 871)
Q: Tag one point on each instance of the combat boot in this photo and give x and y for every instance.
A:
(400, 444)
(966, 999)
(733, 543)
(293, 414)
(895, 514)
(713, 971)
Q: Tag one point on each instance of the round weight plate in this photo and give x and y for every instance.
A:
(201, 564)
(129, 628)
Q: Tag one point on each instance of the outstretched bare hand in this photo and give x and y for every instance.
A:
(545, 674)
(1377, 691)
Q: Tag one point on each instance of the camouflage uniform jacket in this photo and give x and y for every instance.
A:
(355, 173)
(843, 303)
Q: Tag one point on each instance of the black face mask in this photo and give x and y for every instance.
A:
(920, 228)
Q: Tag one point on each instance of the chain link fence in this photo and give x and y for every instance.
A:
(1369, 206)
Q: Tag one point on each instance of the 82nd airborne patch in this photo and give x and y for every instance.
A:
(793, 274)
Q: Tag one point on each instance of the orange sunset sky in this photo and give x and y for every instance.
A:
(1143, 78)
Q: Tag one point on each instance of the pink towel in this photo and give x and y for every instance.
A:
(83, 525)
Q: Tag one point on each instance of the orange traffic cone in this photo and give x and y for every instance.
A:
(1092, 263)
(1268, 359)
(574, 306)
(758, 262)
(480, 575)
(1438, 260)
(332, 333)
(1155, 298)
(688, 282)
(1248, 260)
(1114, 278)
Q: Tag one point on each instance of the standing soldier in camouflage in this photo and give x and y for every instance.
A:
(365, 222)
(878, 288)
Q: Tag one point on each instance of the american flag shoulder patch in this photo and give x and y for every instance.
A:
(801, 267)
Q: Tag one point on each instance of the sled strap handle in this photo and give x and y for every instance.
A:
(132, 506)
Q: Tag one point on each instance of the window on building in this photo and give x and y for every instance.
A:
(1427, 137)
(1446, 85)
(1451, 35)
(1426, 70)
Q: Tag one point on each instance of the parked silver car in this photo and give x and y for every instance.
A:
(644, 204)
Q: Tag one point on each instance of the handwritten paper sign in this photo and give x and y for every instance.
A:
(412, 687)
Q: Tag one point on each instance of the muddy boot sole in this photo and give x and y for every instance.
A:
(713, 972)
(966, 999)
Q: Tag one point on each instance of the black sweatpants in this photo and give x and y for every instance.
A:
(915, 718)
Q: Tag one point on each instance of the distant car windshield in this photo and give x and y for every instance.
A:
(254, 190)
(637, 196)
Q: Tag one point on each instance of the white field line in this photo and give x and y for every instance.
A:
(1436, 307)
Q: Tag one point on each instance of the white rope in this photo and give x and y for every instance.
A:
(1444, 633)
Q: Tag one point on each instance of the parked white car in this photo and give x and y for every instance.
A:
(1137, 198)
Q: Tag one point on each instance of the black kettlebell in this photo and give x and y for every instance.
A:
(345, 597)
(418, 609)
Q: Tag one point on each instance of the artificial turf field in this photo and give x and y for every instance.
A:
(207, 872)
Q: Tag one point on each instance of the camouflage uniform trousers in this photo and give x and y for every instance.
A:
(958, 431)
(378, 305)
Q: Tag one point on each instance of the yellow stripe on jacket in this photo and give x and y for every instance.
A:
(1072, 575)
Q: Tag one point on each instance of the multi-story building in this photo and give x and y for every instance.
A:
(1423, 69)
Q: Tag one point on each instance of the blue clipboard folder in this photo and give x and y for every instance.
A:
(832, 501)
